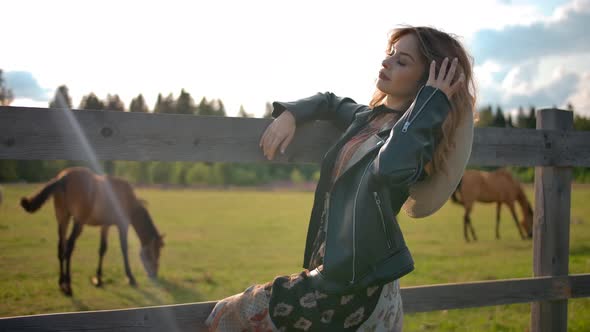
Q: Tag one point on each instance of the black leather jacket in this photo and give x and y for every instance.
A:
(364, 243)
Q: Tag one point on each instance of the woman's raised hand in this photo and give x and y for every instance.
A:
(280, 132)
(445, 82)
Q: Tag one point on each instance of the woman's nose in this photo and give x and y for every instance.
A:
(386, 63)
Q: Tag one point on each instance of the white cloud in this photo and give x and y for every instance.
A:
(563, 33)
(536, 64)
(580, 99)
(520, 79)
(24, 85)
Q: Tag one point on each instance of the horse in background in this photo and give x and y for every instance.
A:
(97, 200)
(498, 186)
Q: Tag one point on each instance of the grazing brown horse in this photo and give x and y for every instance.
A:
(497, 186)
(97, 200)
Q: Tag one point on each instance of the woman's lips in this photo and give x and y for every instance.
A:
(383, 76)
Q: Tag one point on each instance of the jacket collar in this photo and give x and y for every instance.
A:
(372, 143)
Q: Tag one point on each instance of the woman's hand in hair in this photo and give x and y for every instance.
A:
(280, 132)
(446, 83)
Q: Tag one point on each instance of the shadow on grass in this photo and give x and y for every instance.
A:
(580, 250)
(179, 292)
(79, 305)
(150, 293)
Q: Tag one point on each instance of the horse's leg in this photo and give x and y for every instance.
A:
(63, 219)
(520, 231)
(97, 280)
(472, 229)
(498, 208)
(123, 239)
(466, 220)
(76, 231)
(465, 233)
(61, 253)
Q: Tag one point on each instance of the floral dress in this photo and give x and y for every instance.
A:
(289, 303)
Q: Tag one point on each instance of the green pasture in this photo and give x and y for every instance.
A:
(217, 243)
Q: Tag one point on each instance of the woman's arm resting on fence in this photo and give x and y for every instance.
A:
(321, 106)
(280, 132)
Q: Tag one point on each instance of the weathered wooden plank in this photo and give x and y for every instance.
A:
(551, 231)
(37, 133)
(498, 292)
(190, 317)
(29, 133)
(530, 147)
(183, 317)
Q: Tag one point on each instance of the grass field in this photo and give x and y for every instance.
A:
(220, 242)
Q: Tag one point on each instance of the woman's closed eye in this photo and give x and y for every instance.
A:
(390, 54)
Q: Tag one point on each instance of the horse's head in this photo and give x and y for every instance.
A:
(150, 255)
(527, 221)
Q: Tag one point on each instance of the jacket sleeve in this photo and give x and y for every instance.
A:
(321, 106)
(412, 141)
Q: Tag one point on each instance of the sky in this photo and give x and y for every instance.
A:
(251, 52)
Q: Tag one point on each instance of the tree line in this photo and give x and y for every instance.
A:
(218, 173)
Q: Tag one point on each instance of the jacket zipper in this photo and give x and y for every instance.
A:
(326, 213)
(378, 201)
(354, 224)
(409, 121)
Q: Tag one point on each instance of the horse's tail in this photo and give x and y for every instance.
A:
(35, 202)
(454, 195)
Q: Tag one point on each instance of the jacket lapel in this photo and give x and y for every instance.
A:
(364, 149)
(369, 145)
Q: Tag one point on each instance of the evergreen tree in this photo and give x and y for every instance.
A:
(61, 99)
(242, 113)
(164, 105)
(521, 118)
(220, 109)
(6, 96)
(91, 102)
(114, 103)
(499, 120)
(531, 120)
(8, 168)
(581, 122)
(138, 105)
(185, 103)
(486, 118)
(509, 122)
(267, 111)
(205, 108)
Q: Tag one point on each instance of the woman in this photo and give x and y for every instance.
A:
(406, 150)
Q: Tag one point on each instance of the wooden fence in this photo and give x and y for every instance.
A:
(553, 148)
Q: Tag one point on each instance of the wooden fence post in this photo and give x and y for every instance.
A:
(551, 224)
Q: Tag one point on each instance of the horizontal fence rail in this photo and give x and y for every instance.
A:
(49, 134)
(190, 317)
